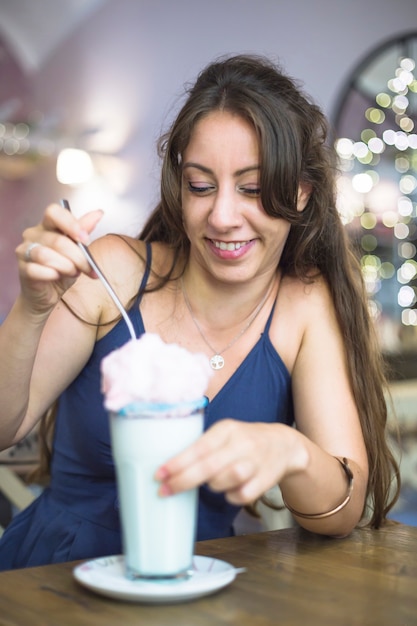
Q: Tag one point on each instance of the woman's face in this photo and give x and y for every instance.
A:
(231, 236)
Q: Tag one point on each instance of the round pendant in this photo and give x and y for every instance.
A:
(217, 362)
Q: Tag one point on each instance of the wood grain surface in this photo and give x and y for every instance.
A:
(293, 577)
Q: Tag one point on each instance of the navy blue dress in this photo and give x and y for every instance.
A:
(77, 516)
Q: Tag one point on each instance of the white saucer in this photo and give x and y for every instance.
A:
(106, 576)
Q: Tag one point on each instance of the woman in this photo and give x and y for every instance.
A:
(244, 259)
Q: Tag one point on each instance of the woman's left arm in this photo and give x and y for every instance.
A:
(328, 426)
(244, 460)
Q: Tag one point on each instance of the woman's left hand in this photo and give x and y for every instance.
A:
(241, 459)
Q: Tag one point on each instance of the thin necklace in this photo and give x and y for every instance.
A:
(217, 360)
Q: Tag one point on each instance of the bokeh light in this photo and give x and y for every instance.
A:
(378, 198)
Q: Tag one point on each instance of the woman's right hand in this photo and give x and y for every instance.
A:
(48, 269)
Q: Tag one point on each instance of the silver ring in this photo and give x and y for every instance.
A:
(29, 249)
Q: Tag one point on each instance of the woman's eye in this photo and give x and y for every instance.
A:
(251, 191)
(200, 188)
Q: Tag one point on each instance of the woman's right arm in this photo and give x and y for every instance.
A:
(42, 345)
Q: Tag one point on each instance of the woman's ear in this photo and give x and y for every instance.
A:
(304, 193)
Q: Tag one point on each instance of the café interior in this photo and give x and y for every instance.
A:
(88, 85)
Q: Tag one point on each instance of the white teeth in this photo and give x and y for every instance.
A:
(222, 245)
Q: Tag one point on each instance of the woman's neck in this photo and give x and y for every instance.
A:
(222, 306)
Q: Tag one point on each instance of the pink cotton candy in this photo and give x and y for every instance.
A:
(149, 370)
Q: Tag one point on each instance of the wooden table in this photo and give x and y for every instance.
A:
(293, 578)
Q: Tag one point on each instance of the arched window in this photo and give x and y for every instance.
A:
(375, 123)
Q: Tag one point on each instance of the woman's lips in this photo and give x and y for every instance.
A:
(230, 249)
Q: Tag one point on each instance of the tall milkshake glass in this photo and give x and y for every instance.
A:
(158, 533)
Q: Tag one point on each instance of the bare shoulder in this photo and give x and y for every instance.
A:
(113, 248)
(296, 294)
(302, 308)
(162, 254)
(122, 260)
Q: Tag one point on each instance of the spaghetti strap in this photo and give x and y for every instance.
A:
(76, 517)
(268, 321)
(271, 314)
(146, 273)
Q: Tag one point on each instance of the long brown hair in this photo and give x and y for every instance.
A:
(292, 134)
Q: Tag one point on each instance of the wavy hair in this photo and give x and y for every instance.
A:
(292, 133)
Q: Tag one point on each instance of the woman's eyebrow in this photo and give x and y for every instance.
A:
(207, 170)
(198, 166)
(245, 170)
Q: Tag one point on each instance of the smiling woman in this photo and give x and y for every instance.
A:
(244, 260)
(221, 202)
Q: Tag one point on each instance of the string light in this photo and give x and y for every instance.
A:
(380, 165)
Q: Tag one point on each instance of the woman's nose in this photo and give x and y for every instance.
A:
(225, 211)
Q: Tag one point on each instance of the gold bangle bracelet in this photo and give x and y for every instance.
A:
(344, 463)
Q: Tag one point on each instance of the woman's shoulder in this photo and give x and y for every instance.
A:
(306, 303)
(124, 259)
(312, 290)
(114, 250)
(304, 306)
(114, 243)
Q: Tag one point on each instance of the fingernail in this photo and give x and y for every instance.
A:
(161, 474)
(84, 237)
(164, 490)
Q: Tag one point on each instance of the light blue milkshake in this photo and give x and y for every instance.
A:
(155, 395)
(158, 532)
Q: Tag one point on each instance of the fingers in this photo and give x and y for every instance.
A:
(51, 259)
(231, 457)
(56, 218)
(199, 462)
(28, 252)
(49, 249)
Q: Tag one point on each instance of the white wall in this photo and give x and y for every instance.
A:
(123, 67)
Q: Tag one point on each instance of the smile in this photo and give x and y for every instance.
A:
(232, 245)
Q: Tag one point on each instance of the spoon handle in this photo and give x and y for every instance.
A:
(103, 279)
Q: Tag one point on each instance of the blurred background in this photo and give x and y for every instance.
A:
(88, 86)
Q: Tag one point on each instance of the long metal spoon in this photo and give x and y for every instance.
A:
(103, 279)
